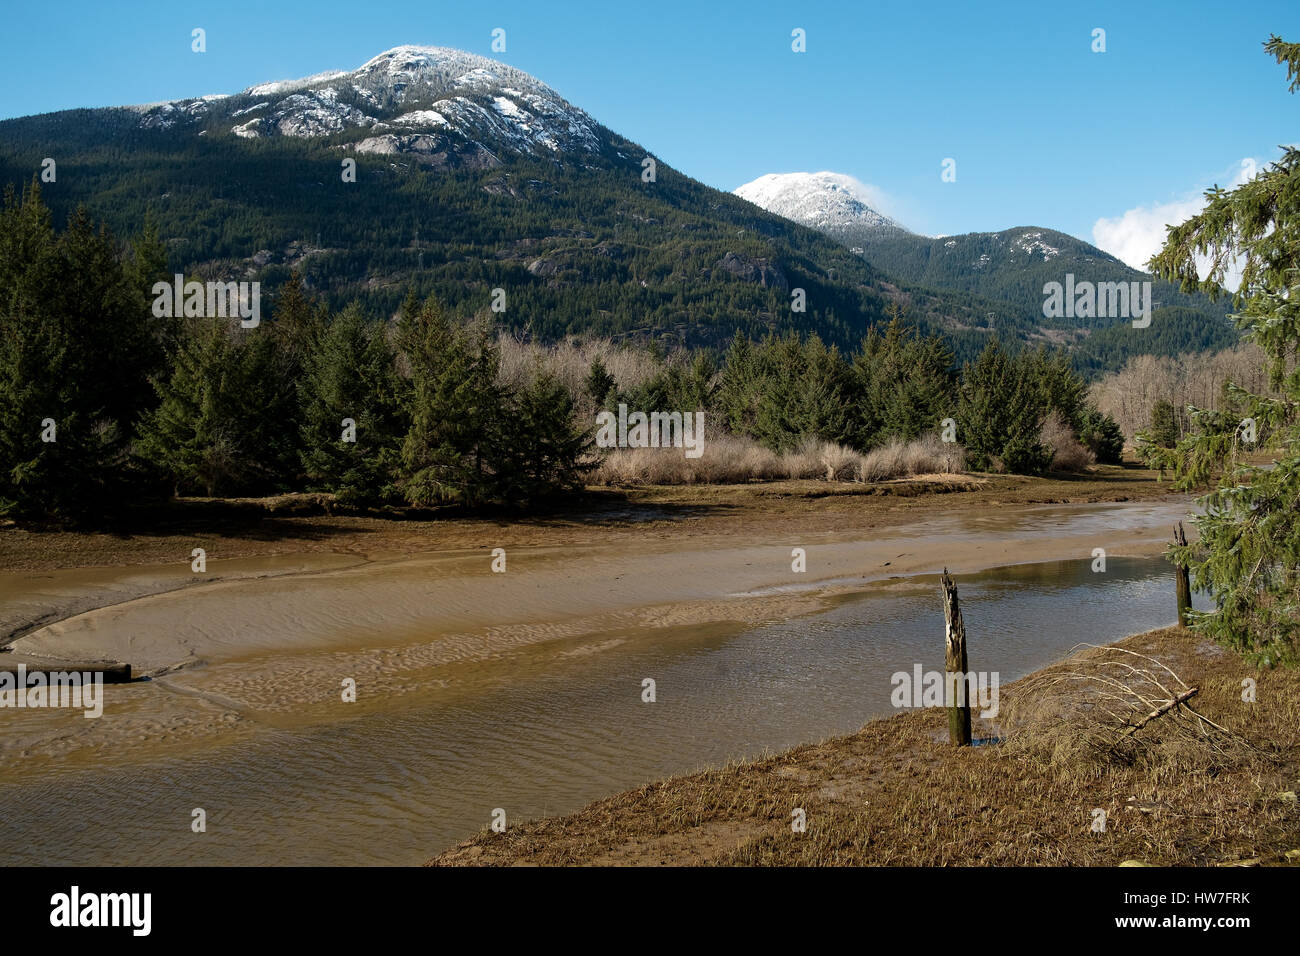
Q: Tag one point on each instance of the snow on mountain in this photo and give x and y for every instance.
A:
(447, 104)
(829, 202)
(1032, 243)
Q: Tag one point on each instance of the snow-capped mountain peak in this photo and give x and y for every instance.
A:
(446, 106)
(832, 203)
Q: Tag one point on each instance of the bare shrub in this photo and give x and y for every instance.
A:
(644, 466)
(804, 461)
(732, 459)
(1068, 453)
(881, 463)
(838, 462)
(1129, 395)
(1106, 706)
(727, 459)
(570, 362)
(923, 456)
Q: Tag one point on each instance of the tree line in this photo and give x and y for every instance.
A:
(103, 403)
(900, 384)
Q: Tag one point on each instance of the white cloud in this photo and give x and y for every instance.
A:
(1137, 234)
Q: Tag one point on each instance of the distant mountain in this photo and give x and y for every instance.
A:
(1010, 268)
(831, 203)
(443, 107)
(472, 176)
(1013, 267)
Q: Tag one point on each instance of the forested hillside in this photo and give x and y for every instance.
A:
(1012, 267)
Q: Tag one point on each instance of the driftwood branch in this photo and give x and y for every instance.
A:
(1162, 709)
(1096, 705)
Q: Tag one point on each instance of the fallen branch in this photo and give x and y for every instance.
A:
(1163, 709)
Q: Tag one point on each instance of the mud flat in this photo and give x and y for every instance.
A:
(472, 684)
(452, 606)
(896, 793)
(110, 672)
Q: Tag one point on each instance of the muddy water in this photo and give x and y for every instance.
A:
(545, 729)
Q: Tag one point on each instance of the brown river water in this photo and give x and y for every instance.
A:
(538, 712)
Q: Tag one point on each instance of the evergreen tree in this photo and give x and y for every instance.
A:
(1102, 436)
(1003, 408)
(541, 450)
(76, 348)
(351, 376)
(454, 408)
(906, 384)
(740, 387)
(779, 422)
(147, 265)
(1164, 425)
(1063, 389)
(599, 383)
(825, 403)
(220, 425)
(298, 324)
(1248, 552)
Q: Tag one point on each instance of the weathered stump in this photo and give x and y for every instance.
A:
(1182, 580)
(955, 666)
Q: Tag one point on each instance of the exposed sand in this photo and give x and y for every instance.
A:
(266, 641)
(451, 603)
(244, 662)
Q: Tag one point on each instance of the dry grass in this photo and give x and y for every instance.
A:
(725, 460)
(728, 459)
(925, 456)
(896, 793)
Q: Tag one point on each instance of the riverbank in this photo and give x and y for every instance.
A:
(303, 524)
(651, 558)
(478, 689)
(286, 604)
(897, 794)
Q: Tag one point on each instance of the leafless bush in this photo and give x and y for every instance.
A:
(726, 460)
(1107, 705)
(730, 459)
(570, 362)
(923, 456)
(838, 463)
(1068, 453)
(804, 461)
(1192, 379)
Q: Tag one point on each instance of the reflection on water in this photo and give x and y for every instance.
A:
(548, 731)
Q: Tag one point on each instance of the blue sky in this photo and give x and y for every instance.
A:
(1043, 130)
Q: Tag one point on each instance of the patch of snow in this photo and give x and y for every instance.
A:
(420, 118)
(826, 201)
(288, 86)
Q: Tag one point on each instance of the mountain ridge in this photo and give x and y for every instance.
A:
(466, 195)
(833, 203)
(1010, 266)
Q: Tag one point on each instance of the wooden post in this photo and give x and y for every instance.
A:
(955, 665)
(1182, 580)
